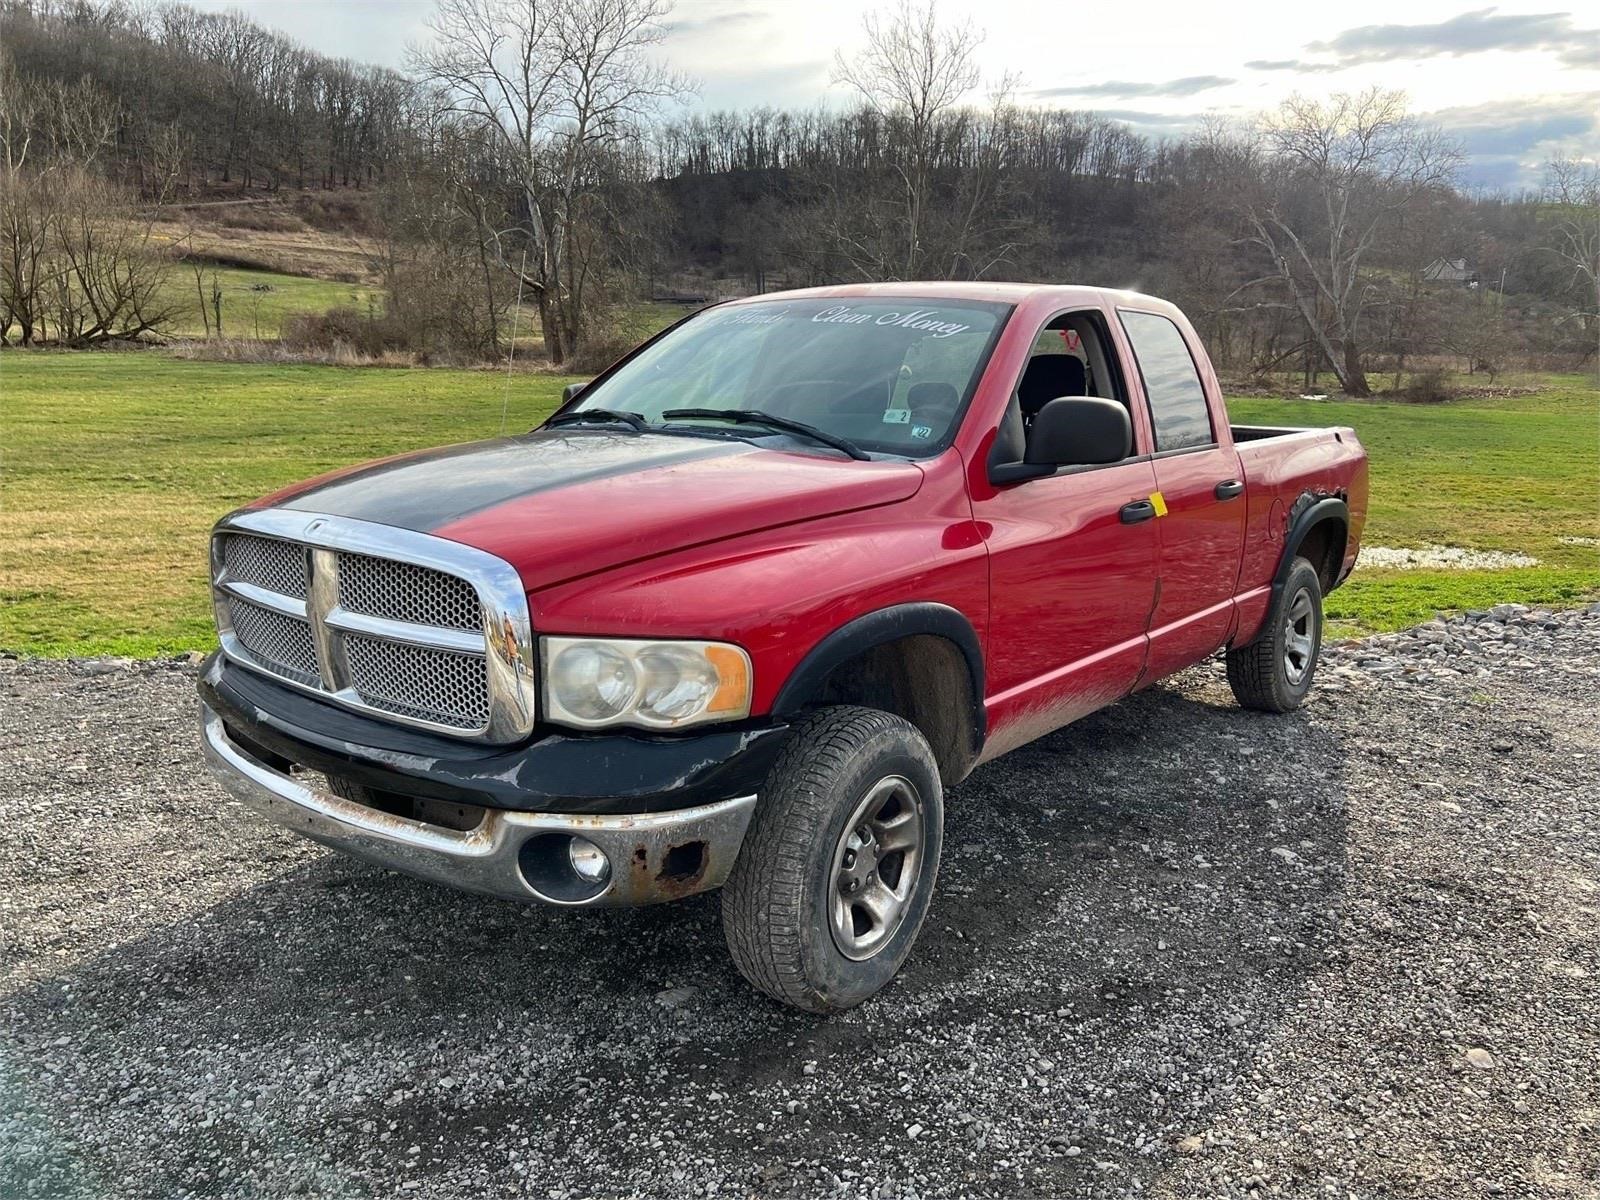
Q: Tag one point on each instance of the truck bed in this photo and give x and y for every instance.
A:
(1260, 433)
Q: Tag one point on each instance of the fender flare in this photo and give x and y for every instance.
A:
(1309, 511)
(875, 629)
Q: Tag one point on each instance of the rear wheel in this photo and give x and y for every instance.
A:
(1275, 672)
(837, 870)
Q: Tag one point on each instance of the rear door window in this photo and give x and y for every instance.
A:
(1178, 406)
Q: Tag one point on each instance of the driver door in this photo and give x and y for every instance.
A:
(1072, 575)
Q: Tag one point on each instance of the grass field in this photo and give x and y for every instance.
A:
(254, 303)
(1515, 473)
(116, 464)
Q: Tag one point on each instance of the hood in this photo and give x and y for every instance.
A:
(559, 504)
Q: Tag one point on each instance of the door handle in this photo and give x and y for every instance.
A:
(1138, 510)
(1228, 489)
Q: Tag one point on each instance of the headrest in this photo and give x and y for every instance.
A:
(1049, 377)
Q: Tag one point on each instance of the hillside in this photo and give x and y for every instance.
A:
(272, 256)
(320, 235)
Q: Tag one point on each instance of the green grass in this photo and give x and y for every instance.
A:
(115, 465)
(255, 303)
(1515, 473)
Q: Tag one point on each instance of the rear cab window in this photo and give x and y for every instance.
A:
(1177, 399)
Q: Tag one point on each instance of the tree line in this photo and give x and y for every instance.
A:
(528, 152)
(243, 103)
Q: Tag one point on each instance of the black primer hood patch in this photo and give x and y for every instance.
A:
(431, 489)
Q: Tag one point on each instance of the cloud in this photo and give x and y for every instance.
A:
(790, 85)
(716, 23)
(1509, 141)
(1187, 86)
(1292, 64)
(1469, 33)
(1584, 55)
(1154, 124)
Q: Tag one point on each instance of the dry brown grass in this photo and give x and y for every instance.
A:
(246, 350)
(288, 246)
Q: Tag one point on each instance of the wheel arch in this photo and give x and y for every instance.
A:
(1319, 529)
(904, 659)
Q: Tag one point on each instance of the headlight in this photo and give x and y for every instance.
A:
(592, 682)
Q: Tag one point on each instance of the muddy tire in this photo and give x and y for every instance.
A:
(1275, 672)
(838, 867)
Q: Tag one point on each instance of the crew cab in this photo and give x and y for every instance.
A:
(750, 602)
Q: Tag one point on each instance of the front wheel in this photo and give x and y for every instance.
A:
(837, 870)
(1274, 673)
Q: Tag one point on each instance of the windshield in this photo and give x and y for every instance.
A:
(887, 374)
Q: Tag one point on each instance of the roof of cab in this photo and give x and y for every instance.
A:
(947, 289)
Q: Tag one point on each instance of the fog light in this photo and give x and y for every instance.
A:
(588, 861)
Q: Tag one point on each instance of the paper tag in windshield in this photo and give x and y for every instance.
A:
(897, 416)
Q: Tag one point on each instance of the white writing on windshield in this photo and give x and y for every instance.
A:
(924, 319)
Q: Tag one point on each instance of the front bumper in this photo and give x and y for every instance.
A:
(653, 856)
(623, 772)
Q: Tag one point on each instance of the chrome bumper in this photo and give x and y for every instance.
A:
(652, 856)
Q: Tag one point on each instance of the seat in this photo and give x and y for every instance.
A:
(1049, 377)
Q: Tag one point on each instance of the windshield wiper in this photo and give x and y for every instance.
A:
(754, 416)
(600, 416)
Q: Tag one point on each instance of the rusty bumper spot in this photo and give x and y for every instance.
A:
(653, 856)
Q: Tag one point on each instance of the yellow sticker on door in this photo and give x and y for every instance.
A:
(1159, 503)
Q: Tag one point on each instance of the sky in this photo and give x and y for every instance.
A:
(1517, 83)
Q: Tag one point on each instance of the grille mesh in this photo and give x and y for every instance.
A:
(266, 562)
(280, 643)
(416, 681)
(402, 591)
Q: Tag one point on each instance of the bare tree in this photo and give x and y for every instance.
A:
(111, 281)
(561, 84)
(76, 261)
(1319, 183)
(1572, 209)
(912, 77)
(913, 71)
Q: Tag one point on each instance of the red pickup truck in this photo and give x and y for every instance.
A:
(742, 610)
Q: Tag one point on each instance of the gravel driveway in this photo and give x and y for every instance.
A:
(1179, 950)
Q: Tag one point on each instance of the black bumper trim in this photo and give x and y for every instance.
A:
(554, 772)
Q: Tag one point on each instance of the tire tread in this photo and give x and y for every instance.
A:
(1255, 671)
(764, 899)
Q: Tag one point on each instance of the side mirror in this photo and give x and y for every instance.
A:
(573, 390)
(1079, 431)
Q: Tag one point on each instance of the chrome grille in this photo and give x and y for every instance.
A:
(402, 591)
(266, 562)
(378, 619)
(279, 643)
(435, 685)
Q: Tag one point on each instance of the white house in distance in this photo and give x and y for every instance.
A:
(1450, 271)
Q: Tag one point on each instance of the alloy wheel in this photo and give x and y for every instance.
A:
(875, 867)
(1299, 637)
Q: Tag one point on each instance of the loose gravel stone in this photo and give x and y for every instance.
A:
(1449, 558)
(1178, 950)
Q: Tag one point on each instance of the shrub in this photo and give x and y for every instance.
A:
(338, 212)
(1431, 386)
(597, 353)
(341, 329)
(263, 218)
